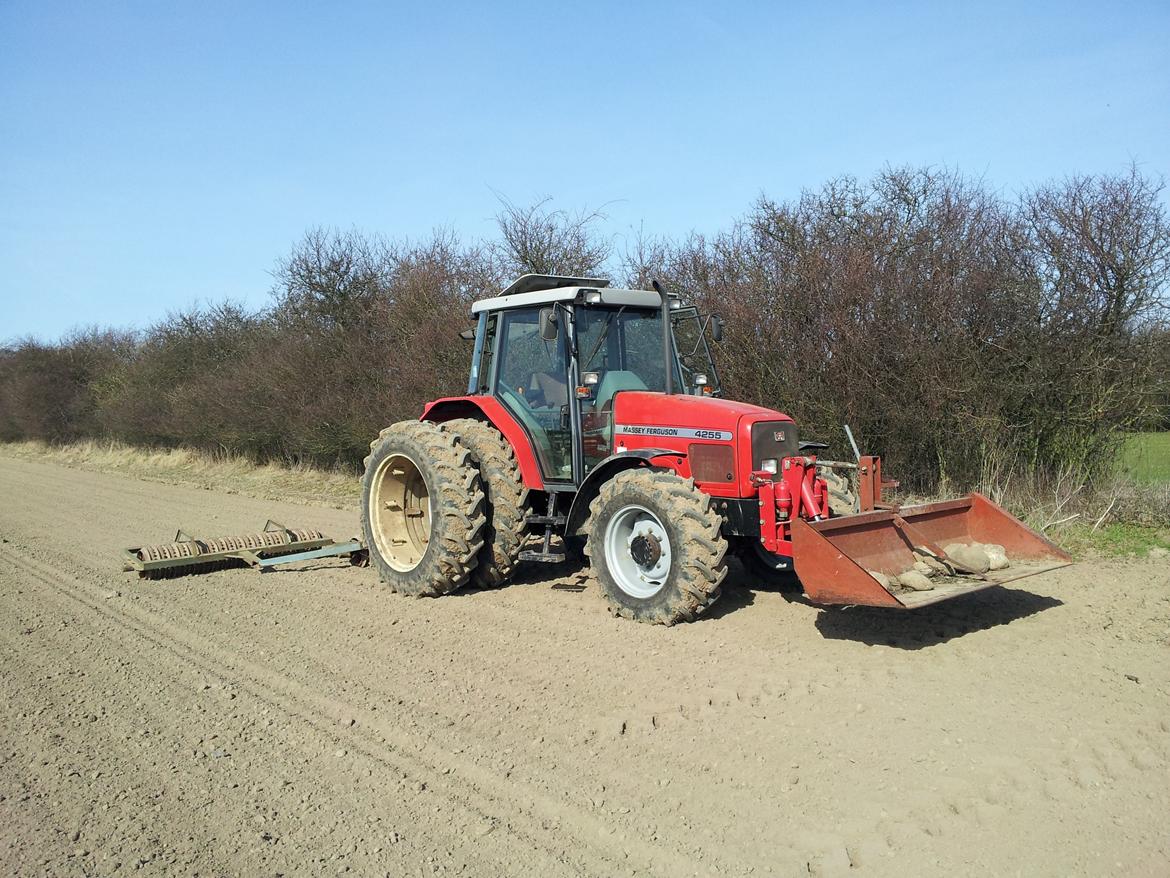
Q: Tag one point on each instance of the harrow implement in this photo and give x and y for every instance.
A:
(274, 545)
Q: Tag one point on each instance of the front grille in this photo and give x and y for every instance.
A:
(773, 439)
(712, 463)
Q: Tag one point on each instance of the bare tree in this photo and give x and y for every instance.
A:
(963, 334)
(541, 240)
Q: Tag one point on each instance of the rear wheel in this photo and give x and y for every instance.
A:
(655, 546)
(422, 509)
(506, 496)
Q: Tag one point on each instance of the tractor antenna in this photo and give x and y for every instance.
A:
(667, 359)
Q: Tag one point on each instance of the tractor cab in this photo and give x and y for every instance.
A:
(556, 351)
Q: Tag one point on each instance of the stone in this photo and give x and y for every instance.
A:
(883, 580)
(996, 556)
(972, 559)
(915, 581)
(932, 563)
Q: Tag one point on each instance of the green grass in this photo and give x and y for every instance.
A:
(1113, 540)
(1146, 458)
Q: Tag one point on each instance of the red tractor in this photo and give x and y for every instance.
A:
(594, 415)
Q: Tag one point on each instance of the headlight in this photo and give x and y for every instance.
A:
(592, 297)
(768, 465)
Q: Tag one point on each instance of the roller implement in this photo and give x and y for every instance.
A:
(594, 422)
(276, 544)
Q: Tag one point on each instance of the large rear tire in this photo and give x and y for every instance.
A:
(422, 509)
(506, 497)
(655, 547)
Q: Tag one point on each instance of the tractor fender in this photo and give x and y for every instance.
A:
(606, 470)
(490, 409)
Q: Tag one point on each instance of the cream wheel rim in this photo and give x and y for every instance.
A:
(400, 512)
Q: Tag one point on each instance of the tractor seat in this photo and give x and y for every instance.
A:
(614, 381)
(551, 389)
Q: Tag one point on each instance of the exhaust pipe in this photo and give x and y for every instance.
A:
(667, 346)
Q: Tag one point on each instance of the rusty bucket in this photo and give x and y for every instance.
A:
(835, 558)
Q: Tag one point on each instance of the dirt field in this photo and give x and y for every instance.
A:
(310, 722)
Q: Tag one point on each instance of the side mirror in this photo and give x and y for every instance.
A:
(548, 324)
(716, 328)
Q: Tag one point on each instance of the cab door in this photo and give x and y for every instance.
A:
(532, 381)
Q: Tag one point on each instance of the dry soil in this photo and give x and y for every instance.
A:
(309, 722)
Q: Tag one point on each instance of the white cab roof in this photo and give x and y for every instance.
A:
(544, 289)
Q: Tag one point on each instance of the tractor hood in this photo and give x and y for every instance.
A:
(679, 423)
(640, 413)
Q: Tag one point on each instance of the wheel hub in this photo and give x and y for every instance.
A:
(638, 551)
(646, 549)
(400, 512)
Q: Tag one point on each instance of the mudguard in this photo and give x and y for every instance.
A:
(607, 469)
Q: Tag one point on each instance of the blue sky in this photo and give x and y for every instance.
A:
(154, 155)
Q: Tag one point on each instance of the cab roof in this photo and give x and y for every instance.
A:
(543, 289)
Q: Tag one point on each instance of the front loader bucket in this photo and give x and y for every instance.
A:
(835, 558)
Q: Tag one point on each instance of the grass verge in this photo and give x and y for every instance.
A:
(1115, 540)
(214, 472)
(1145, 458)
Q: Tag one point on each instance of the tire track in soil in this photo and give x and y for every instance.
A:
(913, 780)
(56, 754)
(468, 785)
(81, 649)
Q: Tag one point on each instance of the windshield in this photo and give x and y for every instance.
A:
(693, 354)
(623, 345)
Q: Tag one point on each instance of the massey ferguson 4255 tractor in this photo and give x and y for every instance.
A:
(593, 415)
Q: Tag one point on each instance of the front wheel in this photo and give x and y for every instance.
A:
(655, 546)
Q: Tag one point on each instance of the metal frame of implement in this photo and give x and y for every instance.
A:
(276, 545)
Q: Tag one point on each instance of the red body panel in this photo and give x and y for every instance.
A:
(636, 408)
(656, 410)
(452, 407)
